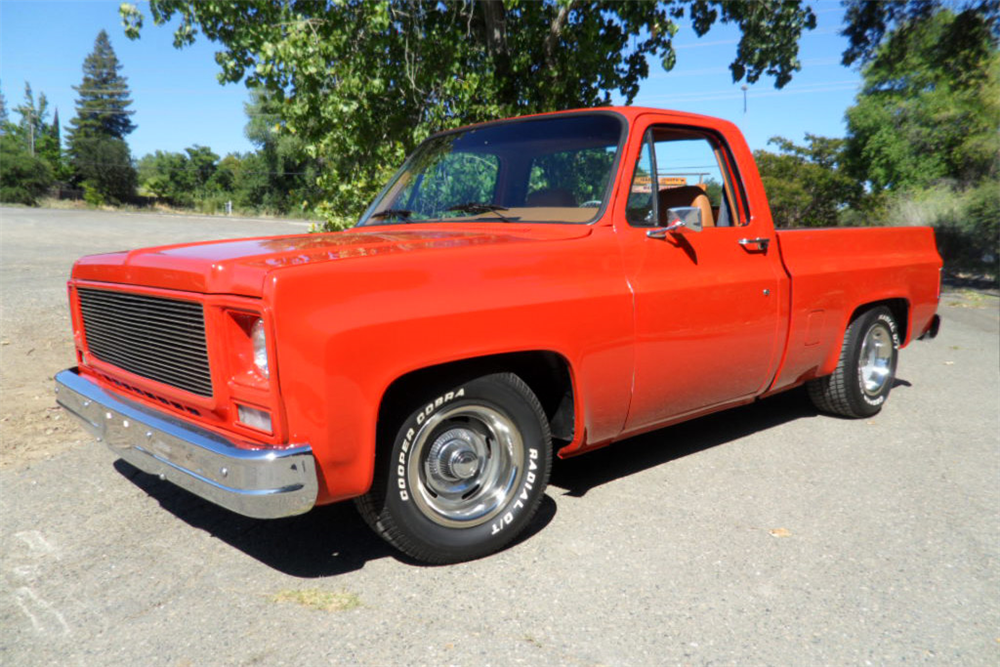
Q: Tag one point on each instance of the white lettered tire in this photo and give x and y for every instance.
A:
(466, 471)
(866, 370)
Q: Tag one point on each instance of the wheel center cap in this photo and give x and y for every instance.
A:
(464, 464)
(454, 457)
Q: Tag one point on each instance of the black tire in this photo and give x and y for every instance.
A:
(866, 370)
(465, 474)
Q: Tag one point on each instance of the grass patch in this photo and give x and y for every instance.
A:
(313, 598)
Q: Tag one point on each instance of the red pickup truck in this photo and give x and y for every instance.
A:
(520, 289)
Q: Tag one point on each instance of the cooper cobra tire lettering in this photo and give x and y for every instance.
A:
(410, 433)
(465, 472)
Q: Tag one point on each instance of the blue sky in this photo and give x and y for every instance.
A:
(179, 102)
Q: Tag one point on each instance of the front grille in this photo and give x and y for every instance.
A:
(156, 338)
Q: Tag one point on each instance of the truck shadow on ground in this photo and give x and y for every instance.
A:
(324, 542)
(578, 475)
(334, 539)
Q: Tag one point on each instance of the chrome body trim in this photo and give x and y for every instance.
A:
(259, 483)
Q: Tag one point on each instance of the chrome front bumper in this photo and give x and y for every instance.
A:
(259, 483)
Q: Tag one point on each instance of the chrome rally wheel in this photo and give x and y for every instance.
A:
(465, 473)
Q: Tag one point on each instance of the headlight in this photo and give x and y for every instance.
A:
(259, 339)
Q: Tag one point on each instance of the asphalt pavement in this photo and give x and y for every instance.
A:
(766, 535)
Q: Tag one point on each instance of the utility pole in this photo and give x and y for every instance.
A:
(31, 131)
(744, 89)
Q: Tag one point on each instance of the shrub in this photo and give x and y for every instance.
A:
(23, 178)
(966, 223)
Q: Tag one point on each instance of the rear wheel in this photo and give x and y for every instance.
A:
(866, 370)
(466, 471)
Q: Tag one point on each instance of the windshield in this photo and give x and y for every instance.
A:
(548, 169)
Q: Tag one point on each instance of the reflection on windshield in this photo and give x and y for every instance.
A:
(548, 169)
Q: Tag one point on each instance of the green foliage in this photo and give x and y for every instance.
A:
(923, 133)
(930, 105)
(24, 178)
(284, 171)
(98, 154)
(361, 82)
(91, 194)
(33, 133)
(103, 106)
(583, 172)
(805, 185)
(867, 22)
(966, 224)
(164, 174)
(104, 164)
(4, 117)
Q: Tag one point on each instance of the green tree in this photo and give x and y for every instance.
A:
(103, 166)
(923, 132)
(32, 157)
(50, 147)
(96, 140)
(103, 106)
(167, 175)
(805, 185)
(32, 128)
(930, 105)
(866, 23)
(283, 172)
(4, 116)
(202, 163)
(362, 82)
(24, 178)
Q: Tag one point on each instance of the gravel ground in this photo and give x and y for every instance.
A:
(764, 535)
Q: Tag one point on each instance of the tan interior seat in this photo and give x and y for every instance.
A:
(551, 197)
(688, 195)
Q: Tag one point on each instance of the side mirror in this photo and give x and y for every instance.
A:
(688, 217)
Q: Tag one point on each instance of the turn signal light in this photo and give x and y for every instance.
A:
(254, 418)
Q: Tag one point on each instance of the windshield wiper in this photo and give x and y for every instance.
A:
(475, 207)
(400, 213)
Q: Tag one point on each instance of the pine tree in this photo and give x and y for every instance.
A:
(48, 146)
(4, 117)
(102, 109)
(55, 131)
(96, 145)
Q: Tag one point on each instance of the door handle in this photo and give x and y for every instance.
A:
(761, 242)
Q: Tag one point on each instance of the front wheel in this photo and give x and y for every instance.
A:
(466, 472)
(867, 368)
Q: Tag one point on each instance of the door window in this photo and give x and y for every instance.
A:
(641, 207)
(692, 170)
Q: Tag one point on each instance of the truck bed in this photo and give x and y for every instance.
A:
(835, 271)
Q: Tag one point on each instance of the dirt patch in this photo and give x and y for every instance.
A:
(33, 427)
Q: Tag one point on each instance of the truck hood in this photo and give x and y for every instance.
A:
(240, 266)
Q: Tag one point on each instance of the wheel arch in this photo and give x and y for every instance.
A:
(547, 373)
(900, 309)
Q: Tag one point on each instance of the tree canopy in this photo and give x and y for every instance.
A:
(100, 158)
(929, 108)
(30, 156)
(103, 106)
(362, 82)
(805, 185)
(866, 23)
